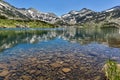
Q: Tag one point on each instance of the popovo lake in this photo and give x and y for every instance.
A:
(57, 54)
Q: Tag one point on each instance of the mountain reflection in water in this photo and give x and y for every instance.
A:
(109, 37)
(57, 54)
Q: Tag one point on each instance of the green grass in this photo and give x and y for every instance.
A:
(31, 23)
(112, 71)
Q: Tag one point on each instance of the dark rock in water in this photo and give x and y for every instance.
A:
(2, 78)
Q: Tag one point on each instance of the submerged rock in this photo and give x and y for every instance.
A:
(55, 65)
(4, 73)
(3, 66)
(24, 77)
(66, 70)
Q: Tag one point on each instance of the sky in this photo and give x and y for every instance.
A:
(60, 7)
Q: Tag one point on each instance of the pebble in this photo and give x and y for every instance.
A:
(55, 65)
(4, 73)
(24, 77)
(66, 70)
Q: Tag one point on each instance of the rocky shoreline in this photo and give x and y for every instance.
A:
(17, 26)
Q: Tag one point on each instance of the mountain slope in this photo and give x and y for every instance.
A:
(87, 16)
(21, 13)
(34, 14)
(10, 11)
(75, 17)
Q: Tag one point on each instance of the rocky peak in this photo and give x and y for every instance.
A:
(116, 7)
(73, 12)
(32, 9)
(112, 9)
(22, 8)
(85, 10)
(52, 14)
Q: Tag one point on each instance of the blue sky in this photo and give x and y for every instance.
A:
(60, 7)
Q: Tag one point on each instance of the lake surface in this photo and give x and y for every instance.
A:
(57, 54)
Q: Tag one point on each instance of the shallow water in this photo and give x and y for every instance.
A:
(57, 54)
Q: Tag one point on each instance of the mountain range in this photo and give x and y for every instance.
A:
(73, 17)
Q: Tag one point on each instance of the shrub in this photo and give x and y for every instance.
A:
(112, 70)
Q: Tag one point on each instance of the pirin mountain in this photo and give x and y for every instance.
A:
(73, 17)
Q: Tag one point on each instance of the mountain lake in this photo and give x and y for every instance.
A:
(57, 54)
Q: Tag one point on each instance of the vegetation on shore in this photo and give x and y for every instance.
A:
(112, 70)
(10, 23)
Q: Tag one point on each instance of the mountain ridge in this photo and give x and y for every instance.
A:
(73, 17)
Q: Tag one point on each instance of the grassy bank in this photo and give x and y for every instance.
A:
(22, 23)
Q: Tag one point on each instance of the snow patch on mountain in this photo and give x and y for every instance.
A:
(109, 10)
